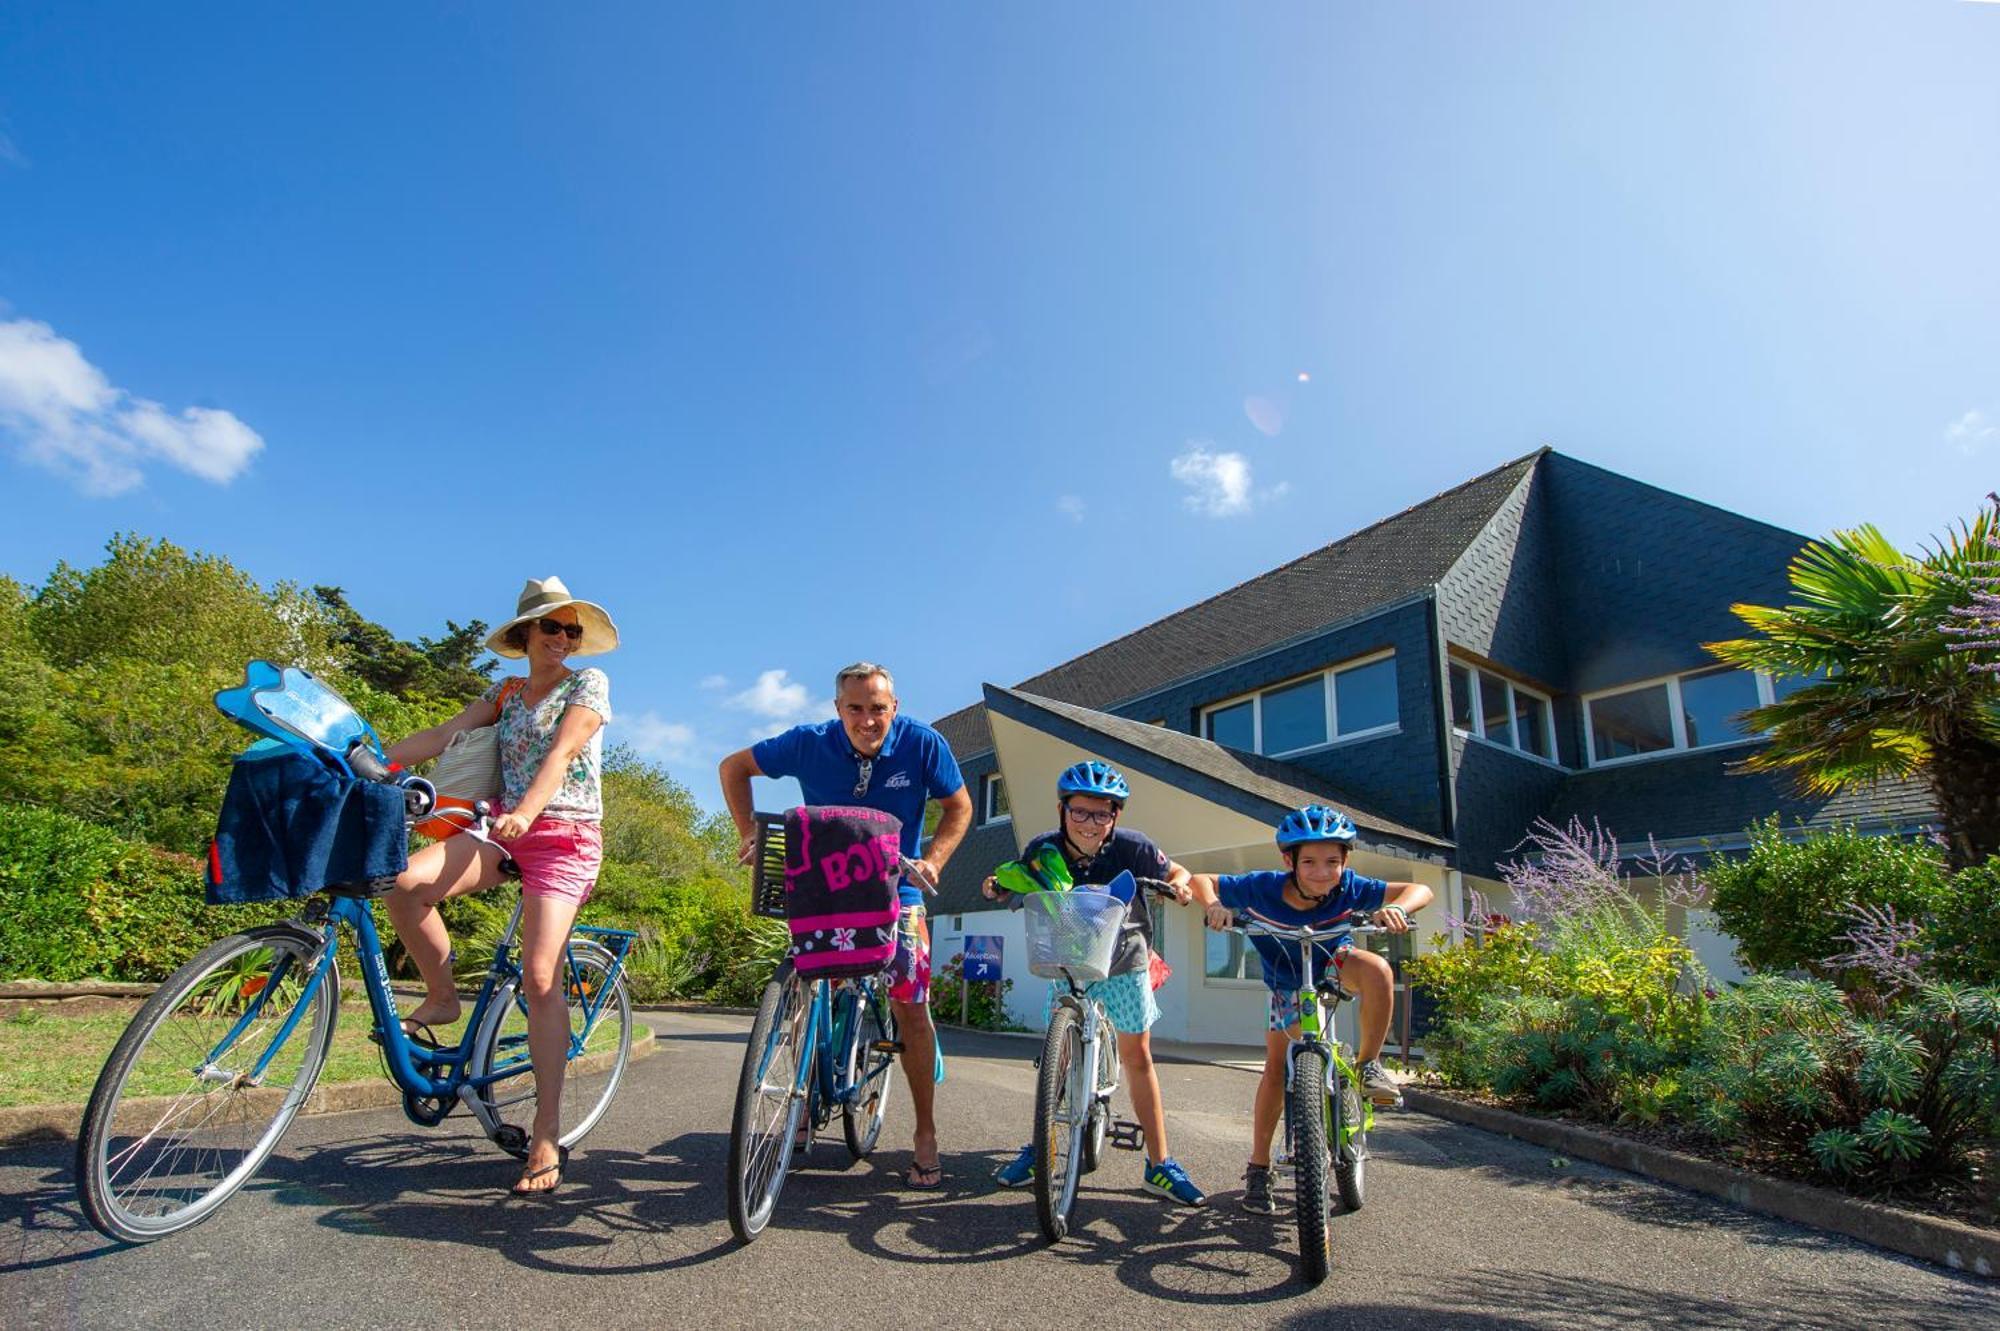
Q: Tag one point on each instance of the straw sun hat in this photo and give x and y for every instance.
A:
(540, 596)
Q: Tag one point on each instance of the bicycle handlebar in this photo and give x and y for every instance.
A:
(1300, 933)
(1159, 887)
(904, 864)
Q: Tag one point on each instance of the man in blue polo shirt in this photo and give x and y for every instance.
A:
(869, 756)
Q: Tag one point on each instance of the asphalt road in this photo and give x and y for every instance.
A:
(364, 1220)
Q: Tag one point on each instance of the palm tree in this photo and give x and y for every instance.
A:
(1891, 698)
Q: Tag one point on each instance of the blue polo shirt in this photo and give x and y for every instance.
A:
(915, 765)
(1263, 895)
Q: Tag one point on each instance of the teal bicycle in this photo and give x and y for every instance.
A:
(1327, 1117)
(817, 1047)
(206, 1080)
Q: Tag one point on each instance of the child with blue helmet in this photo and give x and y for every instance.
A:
(1089, 798)
(1317, 886)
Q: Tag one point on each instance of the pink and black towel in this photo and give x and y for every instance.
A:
(841, 871)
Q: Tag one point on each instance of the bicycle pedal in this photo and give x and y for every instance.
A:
(510, 1138)
(1126, 1135)
(885, 1046)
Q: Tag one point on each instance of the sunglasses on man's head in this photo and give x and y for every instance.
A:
(555, 626)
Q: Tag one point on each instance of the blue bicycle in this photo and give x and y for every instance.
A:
(816, 1046)
(203, 1084)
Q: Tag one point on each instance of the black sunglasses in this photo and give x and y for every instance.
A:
(866, 772)
(554, 626)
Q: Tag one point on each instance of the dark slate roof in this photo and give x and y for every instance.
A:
(1201, 766)
(1703, 795)
(1399, 556)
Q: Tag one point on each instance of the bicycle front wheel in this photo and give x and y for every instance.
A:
(600, 1044)
(1306, 1111)
(1350, 1166)
(770, 1102)
(204, 1082)
(1099, 1125)
(1062, 1104)
(870, 1072)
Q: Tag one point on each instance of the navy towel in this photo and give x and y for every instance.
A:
(290, 826)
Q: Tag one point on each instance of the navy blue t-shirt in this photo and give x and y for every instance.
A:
(1123, 849)
(915, 765)
(1262, 896)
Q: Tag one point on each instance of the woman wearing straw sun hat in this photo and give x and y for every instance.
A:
(549, 729)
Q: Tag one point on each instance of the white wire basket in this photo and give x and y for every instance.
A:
(1072, 934)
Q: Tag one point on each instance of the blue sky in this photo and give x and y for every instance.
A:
(963, 337)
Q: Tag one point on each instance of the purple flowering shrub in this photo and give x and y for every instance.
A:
(1978, 628)
(1583, 998)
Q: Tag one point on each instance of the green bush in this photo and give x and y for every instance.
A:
(1591, 1004)
(1787, 1068)
(1962, 935)
(1788, 902)
(78, 902)
(984, 1006)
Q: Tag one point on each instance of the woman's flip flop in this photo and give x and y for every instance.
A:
(558, 1169)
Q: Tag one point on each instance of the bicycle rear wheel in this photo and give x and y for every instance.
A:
(1062, 1104)
(1350, 1166)
(600, 1044)
(770, 1101)
(870, 1071)
(1306, 1112)
(181, 1117)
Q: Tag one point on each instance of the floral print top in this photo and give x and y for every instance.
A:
(527, 734)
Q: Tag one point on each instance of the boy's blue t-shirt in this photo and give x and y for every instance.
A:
(1262, 895)
(915, 765)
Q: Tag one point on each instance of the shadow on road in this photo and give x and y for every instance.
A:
(1521, 1299)
(53, 1230)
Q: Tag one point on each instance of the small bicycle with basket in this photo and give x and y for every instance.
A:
(824, 1039)
(1327, 1117)
(1072, 939)
(208, 1076)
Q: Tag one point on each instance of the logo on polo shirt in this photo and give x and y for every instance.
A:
(897, 781)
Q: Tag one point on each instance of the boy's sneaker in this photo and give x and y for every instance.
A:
(1169, 1180)
(1380, 1086)
(1257, 1191)
(1018, 1172)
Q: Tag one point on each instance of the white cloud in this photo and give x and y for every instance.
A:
(1972, 432)
(1219, 484)
(714, 682)
(779, 702)
(656, 737)
(1071, 507)
(65, 415)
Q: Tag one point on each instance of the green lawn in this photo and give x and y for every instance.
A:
(51, 1057)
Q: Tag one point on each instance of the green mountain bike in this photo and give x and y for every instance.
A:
(1327, 1117)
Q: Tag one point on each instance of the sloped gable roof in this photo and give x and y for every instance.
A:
(1397, 557)
(1145, 747)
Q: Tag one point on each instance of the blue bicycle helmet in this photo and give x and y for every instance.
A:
(1092, 778)
(1315, 822)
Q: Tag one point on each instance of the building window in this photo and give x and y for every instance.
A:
(1350, 700)
(993, 799)
(1502, 712)
(1229, 957)
(1697, 710)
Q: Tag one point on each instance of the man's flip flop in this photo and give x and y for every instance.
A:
(924, 1177)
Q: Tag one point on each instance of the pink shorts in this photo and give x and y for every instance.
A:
(558, 858)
